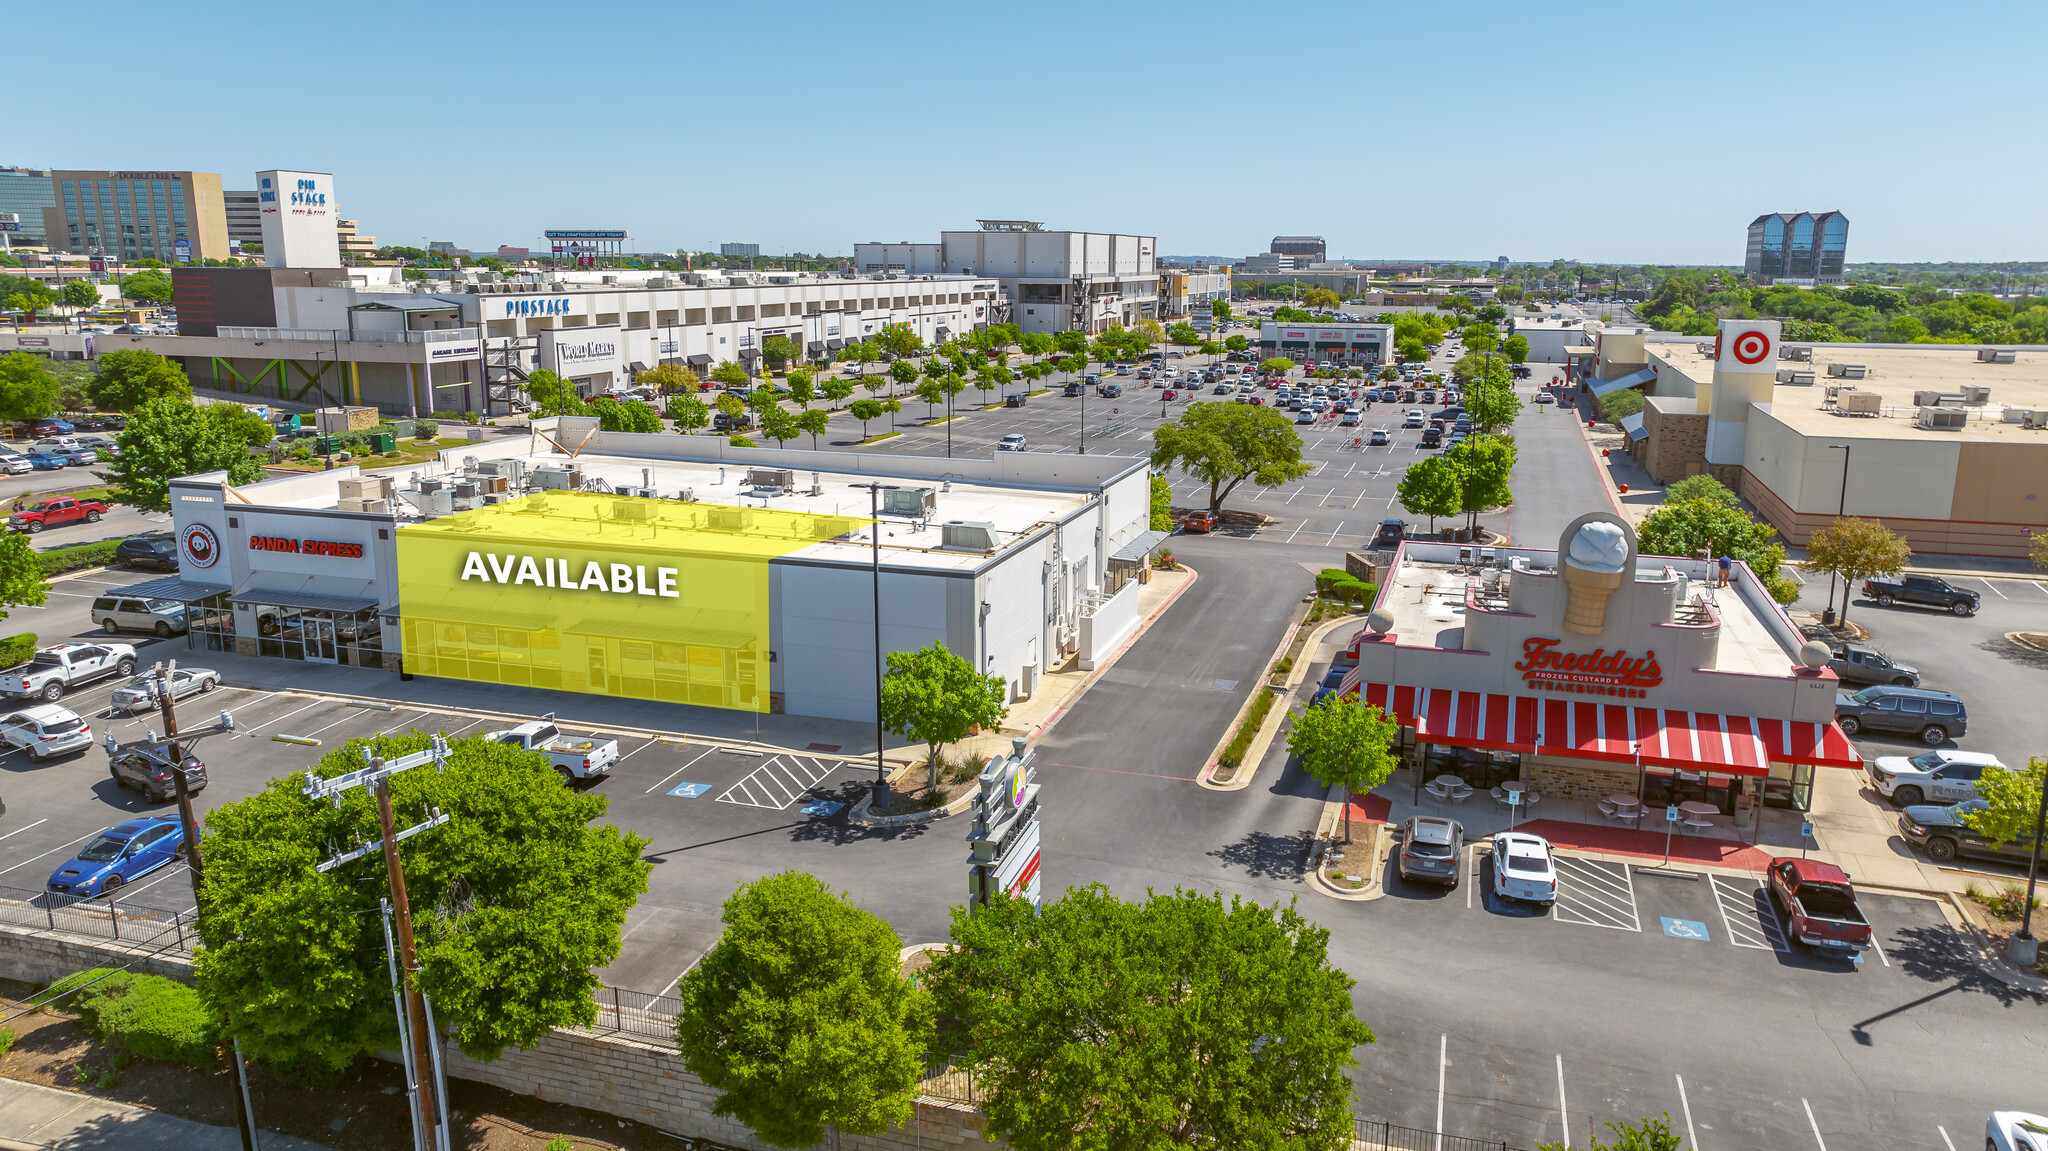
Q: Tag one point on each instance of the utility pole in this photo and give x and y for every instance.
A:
(426, 1089)
(188, 826)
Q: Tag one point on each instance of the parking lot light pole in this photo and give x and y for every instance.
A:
(881, 800)
(1827, 616)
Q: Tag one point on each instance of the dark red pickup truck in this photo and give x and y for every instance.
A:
(1822, 905)
(51, 513)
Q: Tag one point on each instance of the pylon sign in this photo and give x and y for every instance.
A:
(1002, 855)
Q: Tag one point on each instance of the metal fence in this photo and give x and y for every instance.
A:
(107, 917)
(1380, 1135)
(645, 1018)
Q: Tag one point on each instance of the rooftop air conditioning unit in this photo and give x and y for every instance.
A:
(1847, 371)
(1798, 377)
(1976, 394)
(634, 511)
(898, 501)
(781, 479)
(552, 477)
(2035, 420)
(1933, 399)
(1996, 355)
(1789, 352)
(1853, 402)
(968, 535)
(1944, 419)
(730, 519)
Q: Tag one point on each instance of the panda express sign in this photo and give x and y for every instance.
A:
(287, 546)
(1596, 672)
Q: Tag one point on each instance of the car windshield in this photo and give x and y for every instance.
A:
(43, 506)
(170, 605)
(1927, 761)
(63, 726)
(1867, 695)
(105, 849)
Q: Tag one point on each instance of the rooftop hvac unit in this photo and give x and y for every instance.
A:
(633, 510)
(2035, 420)
(508, 470)
(439, 502)
(781, 479)
(1847, 371)
(365, 488)
(491, 498)
(1976, 394)
(909, 501)
(730, 519)
(357, 504)
(1944, 419)
(969, 535)
(552, 477)
(1802, 377)
(1996, 355)
(1853, 402)
(1803, 355)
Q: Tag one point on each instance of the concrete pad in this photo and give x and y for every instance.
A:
(44, 1117)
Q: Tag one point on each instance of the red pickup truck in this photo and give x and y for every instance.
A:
(51, 513)
(1822, 905)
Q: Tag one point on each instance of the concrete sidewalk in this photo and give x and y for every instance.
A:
(37, 1118)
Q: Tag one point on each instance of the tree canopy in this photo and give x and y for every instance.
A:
(2013, 799)
(730, 374)
(27, 388)
(516, 902)
(1691, 526)
(935, 697)
(79, 294)
(624, 416)
(171, 437)
(127, 378)
(1856, 549)
(800, 1018)
(689, 411)
(1482, 465)
(1171, 1022)
(149, 285)
(670, 377)
(1227, 444)
(1430, 487)
(1345, 741)
(22, 583)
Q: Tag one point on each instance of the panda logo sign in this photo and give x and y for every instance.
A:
(202, 547)
(1751, 347)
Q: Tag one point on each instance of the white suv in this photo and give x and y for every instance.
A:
(1930, 777)
(45, 730)
(1014, 442)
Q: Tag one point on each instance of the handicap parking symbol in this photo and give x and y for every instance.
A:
(821, 807)
(690, 790)
(1685, 929)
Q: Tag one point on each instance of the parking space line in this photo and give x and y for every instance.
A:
(1596, 894)
(1878, 947)
(1564, 1118)
(1692, 1138)
(1814, 1123)
(19, 830)
(1950, 1143)
(1748, 915)
(346, 716)
(637, 750)
(1993, 587)
(411, 722)
(680, 770)
(1443, 1063)
(279, 719)
(40, 854)
(465, 727)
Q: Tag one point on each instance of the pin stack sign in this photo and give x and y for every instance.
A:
(1002, 845)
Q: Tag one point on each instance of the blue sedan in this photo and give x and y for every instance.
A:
(80, 457)
(49, 461)
(119, 855)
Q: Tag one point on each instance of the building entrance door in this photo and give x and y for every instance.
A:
(319, 636)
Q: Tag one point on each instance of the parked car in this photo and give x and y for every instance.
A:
(1306, 416)
(55, 512)
(1523, 868)
(1943, 776)
(146, 767)
(2015, 1131)
(1014, 442)
(1933, 716)
(60, 667)
(1432, 436)
(1390, 534)
(14, 463)
(45, 730)
(1924, 591)
(1379, 436)
(140, 692)
(118, 613)
(1821, 903)
(1198, 522)
(1351, 417)
(43, 426)
(1073, 389)
(152, 551)
(1545, 398)
(1939, 830)
(576, 759)
(50, 461)
(118, 856)
(1414, 419)
(1431, 848)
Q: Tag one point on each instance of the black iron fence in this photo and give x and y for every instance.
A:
(1380, 1135)
(638, 1016)
(107, 917)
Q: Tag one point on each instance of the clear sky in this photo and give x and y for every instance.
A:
(1640, 132)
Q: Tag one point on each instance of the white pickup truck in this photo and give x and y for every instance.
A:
(61, 667)
(576, 759)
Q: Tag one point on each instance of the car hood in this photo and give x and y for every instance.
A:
(73, 872)
(1897, 766)
(1933, 815)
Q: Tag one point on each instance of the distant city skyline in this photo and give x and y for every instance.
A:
(1648, 134)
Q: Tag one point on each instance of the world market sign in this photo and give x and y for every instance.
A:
(1596, 672)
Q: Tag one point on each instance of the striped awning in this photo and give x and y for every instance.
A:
(1616, 733)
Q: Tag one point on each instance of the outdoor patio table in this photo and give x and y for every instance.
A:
(1623, 799)
(1449, 782)
(1514, 785)
(1695, 807)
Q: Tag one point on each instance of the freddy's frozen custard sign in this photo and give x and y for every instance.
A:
(1598, 672)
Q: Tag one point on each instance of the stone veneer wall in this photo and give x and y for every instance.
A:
(606, 1073)
(1674, 445)
(1576, 779)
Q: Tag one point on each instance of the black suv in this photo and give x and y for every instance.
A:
(146, 767)
(148, 551)
(1431, 848)
(1934, 717)
(1390, 534)
(1941, 833)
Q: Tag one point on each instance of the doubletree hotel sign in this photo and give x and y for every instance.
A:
(1597, 672)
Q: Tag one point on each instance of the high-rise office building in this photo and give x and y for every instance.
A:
(748, 250)
(26, 192)
(245, 216)
(1803, 246)
(168, 216)
(1305, 249)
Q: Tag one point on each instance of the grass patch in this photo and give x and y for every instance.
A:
(409, 452)
(1241, 743)
(879, 437)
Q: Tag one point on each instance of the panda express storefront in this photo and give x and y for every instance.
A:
(1590, 675)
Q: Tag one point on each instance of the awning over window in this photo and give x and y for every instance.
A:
(1140, 546)
(700, 361)
(1734, 744)
(834, 344)
(305, 600)
(636, 367)
(1633, 379)
(171, 587)
(816, 346)
(1633, 425)
(750, 353)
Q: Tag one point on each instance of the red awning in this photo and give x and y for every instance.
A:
(1615, 733)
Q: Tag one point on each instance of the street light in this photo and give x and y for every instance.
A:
(881, 799)
(1827, 615)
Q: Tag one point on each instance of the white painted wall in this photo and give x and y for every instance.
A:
(1898, 478)
(1109, 626)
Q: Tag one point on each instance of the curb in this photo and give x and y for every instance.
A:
(1263, 740)
(1992, 959)
(1377, 841)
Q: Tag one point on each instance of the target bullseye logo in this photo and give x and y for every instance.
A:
(1751, 347)
(202, 547)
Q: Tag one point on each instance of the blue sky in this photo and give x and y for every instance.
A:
(1603, 132)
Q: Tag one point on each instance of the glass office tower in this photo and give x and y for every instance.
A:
(1797, 246)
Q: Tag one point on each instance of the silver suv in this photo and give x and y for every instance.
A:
(118, 613)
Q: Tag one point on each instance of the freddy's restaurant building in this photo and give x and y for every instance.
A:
(1590, 671)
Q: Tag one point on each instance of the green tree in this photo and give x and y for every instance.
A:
(1276, 365)
(1345, 741)
(22, 583)
(1480, 337)
(1649, 1135)
(553, 395)
(238, 422)
(802, 388)
(1516, 349)
(1236, 343)
(627, 416)
(1162, 504)
(79, 294)
(170, 437)
(1183, 335)
(899, 340)
(932, 393)
(1431, 487)
(800, 1017)
(1411, 348)
(1179, 1021)
(689, 411)
(28, 297)
(779, 424)
(27, 389)
(149, 286)
(1227, 444)
(813, 421)
(935, 697)
(836, 389)
(904, 373)
(1220, 309)
(1701, 486)
(1490, 398)
(517, 900)
(669, 378)
(762, 397)
(865, 410)
(863, 353)
(1855, 549)
(1321, 299)
(1706, 525)
(779, 349)
(1482, 465)
(731, 406)
(730, 375)
(2013, 802)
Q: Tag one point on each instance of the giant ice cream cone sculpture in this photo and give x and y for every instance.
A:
(1593, 568)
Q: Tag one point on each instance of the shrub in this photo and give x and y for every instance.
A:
(1284, 664)
(17, 648)
(2004, 902)
(451, 417)
(1624, 402)
(57, 561)
(1241, 743)
(740, 442)
(6, 1040)
(152, 1016)
(425, 429)
(303, 451)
